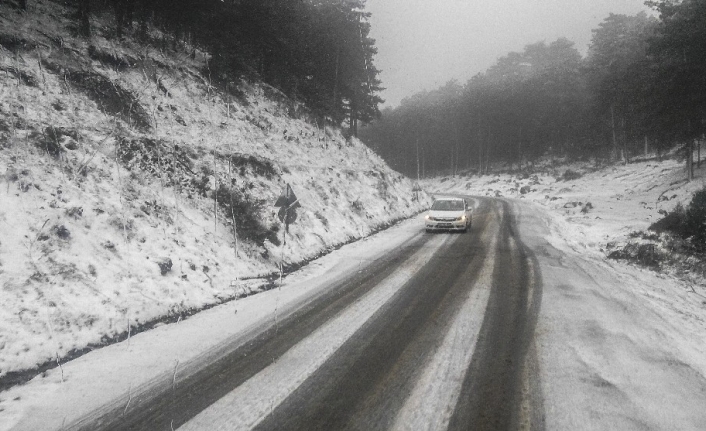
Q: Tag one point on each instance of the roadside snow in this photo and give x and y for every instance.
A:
(118, 373)
(620, 346)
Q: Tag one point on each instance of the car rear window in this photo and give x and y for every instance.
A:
(447, 205)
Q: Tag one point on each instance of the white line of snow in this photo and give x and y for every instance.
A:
(432, 401)
(251, 402)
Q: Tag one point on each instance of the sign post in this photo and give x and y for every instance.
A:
(287, 214)
(416, 189)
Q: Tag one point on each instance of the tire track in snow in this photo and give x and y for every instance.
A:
(501, 389)
(256, 398)
(436, 392)
(165, 405)
(367, 381)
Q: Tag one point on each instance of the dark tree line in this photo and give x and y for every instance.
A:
(641, 87)
(315, 51)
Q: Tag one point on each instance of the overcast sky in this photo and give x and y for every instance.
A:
(423, 44)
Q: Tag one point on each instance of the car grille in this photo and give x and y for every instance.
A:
(444, 218)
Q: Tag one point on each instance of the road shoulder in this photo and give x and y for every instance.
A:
(619, 347)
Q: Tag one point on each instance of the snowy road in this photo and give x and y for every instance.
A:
(410, 331)
(434, 336)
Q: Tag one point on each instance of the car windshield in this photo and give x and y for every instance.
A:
(447, 205)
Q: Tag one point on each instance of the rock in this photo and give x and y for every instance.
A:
(70, 144)
(525, 189)
(165, 266)
(61, 231)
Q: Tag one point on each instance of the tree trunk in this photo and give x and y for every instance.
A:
(456, 149)
(424, 165)
(84, 13)
(690, 160)
(615, 138)
(647, 147)
(480, 148)
(417, 159)
(452, 161)
(487, 153)
(143, 21)
(519, 152)
(119, 8)
(626, 156)
(353, 124)
(698, 154)
(334, 104)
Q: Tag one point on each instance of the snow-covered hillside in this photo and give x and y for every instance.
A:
(123, 169)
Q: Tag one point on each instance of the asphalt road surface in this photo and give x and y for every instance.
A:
(450, 347)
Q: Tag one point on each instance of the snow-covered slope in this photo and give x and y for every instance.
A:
(123, 168)
(602, 209)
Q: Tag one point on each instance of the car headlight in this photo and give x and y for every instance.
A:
(426, 217)
(462, 218)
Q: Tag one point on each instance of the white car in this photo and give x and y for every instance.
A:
(451, 214)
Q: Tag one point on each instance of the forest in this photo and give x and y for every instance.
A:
(641, 88)
(317, 52)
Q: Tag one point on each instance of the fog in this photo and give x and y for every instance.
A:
(424, 43)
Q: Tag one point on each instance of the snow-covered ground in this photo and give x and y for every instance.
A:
(110, 156)
(600, 210)
(118, 373)
(95, 243)
(620, 346)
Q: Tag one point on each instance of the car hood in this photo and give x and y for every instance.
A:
(448, 214)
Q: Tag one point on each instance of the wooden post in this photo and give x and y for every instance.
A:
(232, 209)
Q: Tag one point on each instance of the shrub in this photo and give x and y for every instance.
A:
(15, 44)
(570, 175)
(246, 214)
(110, 97)
(689, 222)
(51, 138)
(114, 60)
(673, 222)
(23, 76)
(258, 166)
(696, 219)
